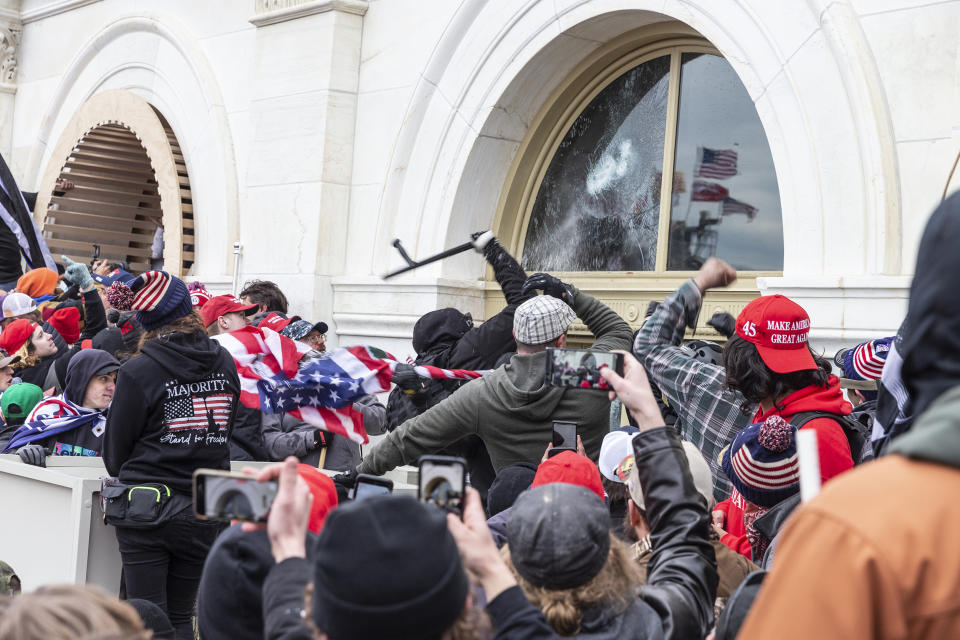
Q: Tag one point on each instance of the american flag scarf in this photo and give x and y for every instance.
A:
(54, 416)
(321, 390)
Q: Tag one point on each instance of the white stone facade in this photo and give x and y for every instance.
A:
(316, 131)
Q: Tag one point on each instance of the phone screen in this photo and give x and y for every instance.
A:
(565, 435)
(368, 489)
(233, 497)
(443, 483)
(580, 368)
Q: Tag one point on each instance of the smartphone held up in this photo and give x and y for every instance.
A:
(443, 482)
(580, 368)
(228, 496)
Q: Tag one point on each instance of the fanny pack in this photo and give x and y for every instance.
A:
(139, 505)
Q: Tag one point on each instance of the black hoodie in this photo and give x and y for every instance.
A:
(172, 412)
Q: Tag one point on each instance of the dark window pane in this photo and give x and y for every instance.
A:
(729, 204)
(598, 206)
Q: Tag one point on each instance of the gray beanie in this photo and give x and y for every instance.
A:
(559, 536)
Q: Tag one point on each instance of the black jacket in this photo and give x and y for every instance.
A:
(173, 410)
(682, 577)
(283, 600)
(446, 338)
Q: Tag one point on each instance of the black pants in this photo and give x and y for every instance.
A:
(163, 565)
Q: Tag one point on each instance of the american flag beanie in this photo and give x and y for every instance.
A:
(762, 462)
(158, 298)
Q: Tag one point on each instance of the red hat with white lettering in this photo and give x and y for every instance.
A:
(222, 305)
(778, 327)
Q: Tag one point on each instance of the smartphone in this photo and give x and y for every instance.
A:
(225, 495)
(580, 368)
(564, 437)
(368, 486)
(443, 482)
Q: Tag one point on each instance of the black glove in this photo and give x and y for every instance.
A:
(405, 377)
(723, 322)
(33, 454)
(319, 439)
(550, 286)
(344, 484)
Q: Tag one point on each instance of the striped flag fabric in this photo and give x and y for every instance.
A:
(716, 163)
(708, 191)
(53, 416)
(16, 215)
(320, 391)
(732, 206)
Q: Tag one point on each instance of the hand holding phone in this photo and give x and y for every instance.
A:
(564, 437)
(580, 368)
(443, 481)
(368, 486)
(228, 496)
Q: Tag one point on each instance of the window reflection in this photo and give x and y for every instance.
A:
(598, 207)
(731, 206)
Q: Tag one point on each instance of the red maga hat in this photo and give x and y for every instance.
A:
(778, 327)
(222, 305)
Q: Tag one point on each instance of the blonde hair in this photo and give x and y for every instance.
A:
(70, 612)
(614, 587)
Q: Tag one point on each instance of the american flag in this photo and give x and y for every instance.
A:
(731, 206)
(196, 412)
(708, 191)
(321, 392)
(716, 163)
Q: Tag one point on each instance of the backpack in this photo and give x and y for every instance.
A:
(858, 437)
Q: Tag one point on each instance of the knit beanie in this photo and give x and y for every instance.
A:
(38, 282)
(509, 483)
(570, 468)
(559, 536)
(67, 323)
(130, 329)
(762, 462)
(229, 599)
(16, 334)
(154, 619)
(863, 363)
(387, 568)
(158, 298)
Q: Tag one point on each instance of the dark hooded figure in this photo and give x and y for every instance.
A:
(883, 534)
(446, 338)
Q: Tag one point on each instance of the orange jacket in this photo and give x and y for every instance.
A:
(874, 556)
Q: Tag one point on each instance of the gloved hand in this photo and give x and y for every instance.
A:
(481, 239)
(551, 286)
(405, 377)
(344, 483)
(33, 454)
(723, 322)
(76, 273)
(319, 439)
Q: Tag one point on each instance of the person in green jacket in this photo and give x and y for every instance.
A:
(512, 409)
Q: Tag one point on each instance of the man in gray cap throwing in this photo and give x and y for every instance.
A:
(512, 409)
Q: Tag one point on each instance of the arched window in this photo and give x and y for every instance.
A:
(666, 165)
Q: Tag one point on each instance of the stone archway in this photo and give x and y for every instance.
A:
(129, 173)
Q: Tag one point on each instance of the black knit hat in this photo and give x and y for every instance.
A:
(559, 535)
(229, 600)
(153, 618)
(387, 568)
(510, 482)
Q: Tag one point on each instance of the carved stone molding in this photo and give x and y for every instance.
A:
(9, 48)
(274, 11)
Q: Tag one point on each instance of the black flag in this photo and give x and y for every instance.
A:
(15, 214)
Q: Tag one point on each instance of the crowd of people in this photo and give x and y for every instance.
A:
(678, 515)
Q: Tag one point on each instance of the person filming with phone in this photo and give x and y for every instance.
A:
(513, 409)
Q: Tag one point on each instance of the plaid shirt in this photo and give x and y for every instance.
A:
(709, 416)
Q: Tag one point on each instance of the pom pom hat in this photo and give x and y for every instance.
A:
(158, 298)
(778, 327)
(762, 462)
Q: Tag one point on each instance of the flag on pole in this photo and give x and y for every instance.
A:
(731, 206)
(17, 217)
(320, 391)
(716, 163)
(708, 192)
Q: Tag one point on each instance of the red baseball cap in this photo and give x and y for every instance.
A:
(778, 327)
(275, 321)
(199, 297)
(222, 305)
(16, 335)
(569, 468)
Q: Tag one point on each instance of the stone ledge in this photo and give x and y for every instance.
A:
(52, 9)
(294, 10)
